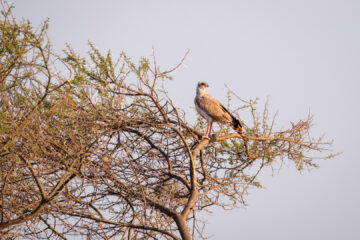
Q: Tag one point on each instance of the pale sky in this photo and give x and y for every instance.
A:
(303, 54)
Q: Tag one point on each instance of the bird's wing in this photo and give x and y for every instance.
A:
(213, 108)
(235, 122)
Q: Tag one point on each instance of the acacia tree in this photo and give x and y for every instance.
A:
(94, 147)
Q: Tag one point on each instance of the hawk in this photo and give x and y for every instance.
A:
(213, 111)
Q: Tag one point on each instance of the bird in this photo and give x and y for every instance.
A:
(213, 111)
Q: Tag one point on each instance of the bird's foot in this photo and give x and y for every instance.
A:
(205, 137)
(209, 137)
(213, 137)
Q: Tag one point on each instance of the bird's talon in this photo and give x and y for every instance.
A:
(205, 137)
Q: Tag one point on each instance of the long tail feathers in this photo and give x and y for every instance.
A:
(236, 125)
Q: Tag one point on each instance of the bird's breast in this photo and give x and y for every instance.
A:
(202, 112)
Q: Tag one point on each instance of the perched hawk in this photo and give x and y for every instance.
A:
(213, 111)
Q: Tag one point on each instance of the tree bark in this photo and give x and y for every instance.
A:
(183, 228)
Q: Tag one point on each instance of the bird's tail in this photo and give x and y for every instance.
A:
(236, 125)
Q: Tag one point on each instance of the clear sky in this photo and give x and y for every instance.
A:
(303, 54)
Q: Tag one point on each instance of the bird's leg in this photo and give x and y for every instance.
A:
(211, 123)
(206, 135)
(208, 130)
(212, 137)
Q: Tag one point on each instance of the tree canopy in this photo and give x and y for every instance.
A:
(95, 147)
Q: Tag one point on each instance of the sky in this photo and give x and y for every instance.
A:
(304, 55)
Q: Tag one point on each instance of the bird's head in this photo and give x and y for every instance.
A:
(202, 85)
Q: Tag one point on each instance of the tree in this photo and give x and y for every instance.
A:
(95, 147)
